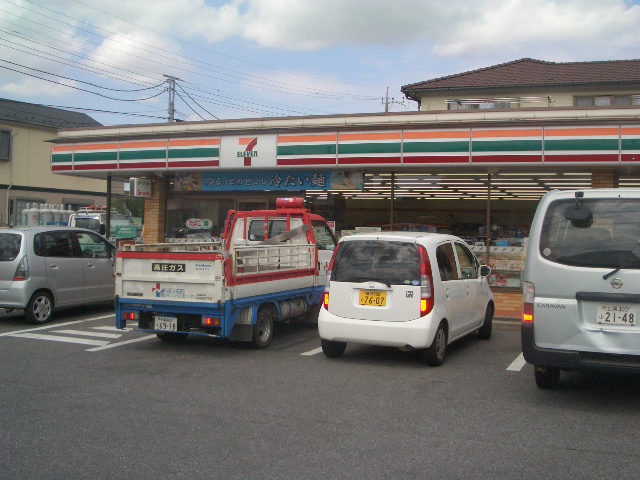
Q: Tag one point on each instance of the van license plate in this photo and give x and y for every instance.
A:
(617, 314)
(166, 324)
(373, 298)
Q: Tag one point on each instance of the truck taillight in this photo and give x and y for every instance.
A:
(129, 316)
(426, 283)
(210, 321)
(22, 271)
(529, 294)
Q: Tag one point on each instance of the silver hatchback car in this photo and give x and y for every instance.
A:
(42, 268)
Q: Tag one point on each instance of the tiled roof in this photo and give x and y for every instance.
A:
(528, 72)
(41, 116)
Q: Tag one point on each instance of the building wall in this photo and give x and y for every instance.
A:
(29, 173)
(559, 97)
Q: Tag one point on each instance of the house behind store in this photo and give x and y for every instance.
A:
(483, 148)
(25, 153)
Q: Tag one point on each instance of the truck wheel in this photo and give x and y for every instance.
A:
(311, 316)
(263, 329)
(39, 308)
(546, 377)
(434, 355)
(333, 349)
(485, 330)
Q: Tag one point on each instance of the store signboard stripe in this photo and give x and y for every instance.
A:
(435, 134)
(289, 162)
(368, 137)
(199, 164)
(504, 133)
(435, 147)
(368, 160)
(502, 158)
(581, 157)
(307, 138)
(435, 159)
(95, 157)
(141, 166)
(589, 144)
(94, 147)
(194, 142)
(139, 145)
(510, 146)
(582, 132)
(630, 144)
(194, 153)
(142, 155)
(302, 150)
(368, 148)
(62, 148)
(631, 131)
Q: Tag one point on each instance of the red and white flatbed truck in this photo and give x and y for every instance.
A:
(269, 266)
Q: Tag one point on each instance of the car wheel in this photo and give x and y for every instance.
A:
(263, 329)
(40, 308)
(333, 349)
(434, 355)
(484, 332)
(546, 377)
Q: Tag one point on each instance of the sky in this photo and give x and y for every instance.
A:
(114, 59)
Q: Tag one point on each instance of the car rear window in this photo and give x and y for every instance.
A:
(607, 235)
(394, 263)
(9, 246)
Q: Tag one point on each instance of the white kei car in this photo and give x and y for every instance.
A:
(409, 290)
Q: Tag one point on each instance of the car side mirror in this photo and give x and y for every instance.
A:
(485, 270)
(102, 230)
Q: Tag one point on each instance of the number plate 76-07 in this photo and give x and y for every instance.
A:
(617, 314)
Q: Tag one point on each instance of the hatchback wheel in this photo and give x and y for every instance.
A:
(40, 308)
(485, 330)
(333, 349)
(546, 377)
(434, 355)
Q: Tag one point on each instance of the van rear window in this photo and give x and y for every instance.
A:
(605, 233)
(395, 263)
(9, 246)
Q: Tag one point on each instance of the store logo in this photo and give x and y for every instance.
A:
(248, 153)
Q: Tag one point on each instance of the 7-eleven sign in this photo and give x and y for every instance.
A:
(247, 144)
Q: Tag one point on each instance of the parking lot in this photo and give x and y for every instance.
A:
(84, 400)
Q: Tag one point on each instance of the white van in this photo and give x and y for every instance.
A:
(582, 284)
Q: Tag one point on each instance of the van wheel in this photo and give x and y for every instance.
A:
(434, 355)
(39, 308)
(263, 329)
(484, 332)
(333, 349)
(547, 377)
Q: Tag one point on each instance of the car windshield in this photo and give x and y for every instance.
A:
(392, 263)
(605, 233)
(9, 246)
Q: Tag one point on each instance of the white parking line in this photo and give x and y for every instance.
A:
(89, 334)
(60, 338)
(312, 352)
(47, 327)
(119, 344)
(517, 364)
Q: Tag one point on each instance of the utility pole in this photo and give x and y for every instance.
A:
(390, 101)
(172, 96)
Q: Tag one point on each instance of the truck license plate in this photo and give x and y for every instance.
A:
(617, 314)
(373, 298)
(165, 323)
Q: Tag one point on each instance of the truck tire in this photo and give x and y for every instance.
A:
(263, 329)
(40, 308)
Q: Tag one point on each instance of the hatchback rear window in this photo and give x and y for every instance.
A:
(606, 233)
(393, 263)
(9, 246)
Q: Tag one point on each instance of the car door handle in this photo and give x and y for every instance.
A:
(90, 265)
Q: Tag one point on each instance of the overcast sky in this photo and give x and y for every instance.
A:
(256, 58)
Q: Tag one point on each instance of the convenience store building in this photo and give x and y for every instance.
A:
(462, 164)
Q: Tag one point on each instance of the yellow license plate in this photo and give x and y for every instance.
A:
(373, 298)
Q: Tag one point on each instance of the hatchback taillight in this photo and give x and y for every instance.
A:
(426, 283)
(529, 292)
(327, 280)
(22, 271)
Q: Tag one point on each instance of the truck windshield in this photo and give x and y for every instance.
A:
(610, 239)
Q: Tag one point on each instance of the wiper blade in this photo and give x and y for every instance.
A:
(375, 279)
(625, 265)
